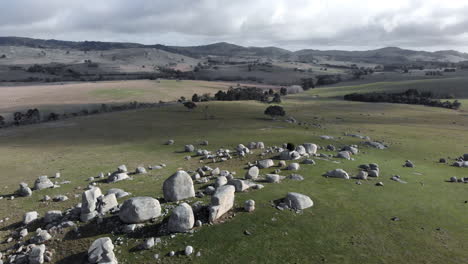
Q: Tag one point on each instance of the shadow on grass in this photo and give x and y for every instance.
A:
(77, 258)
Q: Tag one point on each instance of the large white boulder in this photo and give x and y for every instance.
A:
(252, 173)
(119, 176)
(178, 187)
(89, 204)
(181, 219)
(310, 148)
(264, 164)
(30, 217)
(107, 202)
(222, 201)
(240, 185)
(36, 255)
(43, 182)
(298, 201)
(139, 209)
(338, 173)
(101, 251)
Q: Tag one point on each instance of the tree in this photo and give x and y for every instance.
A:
(276, 98)
(195, 98)
(190, 105)
(283, 91)
(2, 121)
(290, 146)
(274, 111)
(307, 83)
(3, 56)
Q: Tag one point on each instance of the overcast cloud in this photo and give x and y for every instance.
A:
(291, 24)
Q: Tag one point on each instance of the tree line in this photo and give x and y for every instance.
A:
(410, 96)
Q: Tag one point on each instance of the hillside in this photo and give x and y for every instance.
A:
(380, 56)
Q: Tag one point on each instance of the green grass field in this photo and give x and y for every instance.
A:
(349, 223)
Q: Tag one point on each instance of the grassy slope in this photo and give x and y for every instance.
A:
(349, 223)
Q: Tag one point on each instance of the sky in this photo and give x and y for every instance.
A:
(290, 24)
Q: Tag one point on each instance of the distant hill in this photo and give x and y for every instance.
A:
(382, 56)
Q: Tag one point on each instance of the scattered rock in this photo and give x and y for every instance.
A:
(298, 201)
(252, 173)
(273, 178)
(89, 204)
(102, 251)
(293, 166)
(30, 217)
(181, 219)
(264, 164)
(24, 190)
(52, 216)
(36, 255)
(178, 187)
(43, 182)
(139, 209)
(249, 206)
(188, 250)
(296, 177)
(338, 173)
(222, 201)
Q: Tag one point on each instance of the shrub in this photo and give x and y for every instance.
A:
(274, 111)
(190, 105)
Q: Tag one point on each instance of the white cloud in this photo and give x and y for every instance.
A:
(360, 24)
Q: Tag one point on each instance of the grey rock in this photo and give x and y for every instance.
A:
(119, 193)
(296, 177)
(139, 209)
(308, 161)
(188, 250)
(240, 185)
(52, 216)
(43, 182)
(24, 190)
(30, 217)
(116, 177)
(189, 148)
(373, 173)
(249, 206)
(338, 173)
(101, 251)
(264, 164)
(178, 187)
(362, 175)
(344, 155)
(220, 181)
(181, 219)
(273, 178)
(140, 170)
(222, 201)
(36, 255)
(107, 203)
(298, 201)
(252, 173)
(310, 148)
(89, 204)
(294, 166)
(210, 190)
(122, 168)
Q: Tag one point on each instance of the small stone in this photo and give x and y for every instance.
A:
(188, 250)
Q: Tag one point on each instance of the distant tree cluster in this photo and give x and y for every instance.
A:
(241, 94)
(29, 117)
(411, 96)
(33, 116)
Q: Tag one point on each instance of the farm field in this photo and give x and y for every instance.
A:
(349, 223)
(68, 97)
